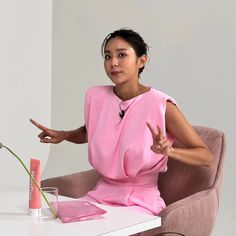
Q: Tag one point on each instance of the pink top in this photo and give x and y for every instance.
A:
(119, 149)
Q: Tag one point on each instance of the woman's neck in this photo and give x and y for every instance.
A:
(129, 92)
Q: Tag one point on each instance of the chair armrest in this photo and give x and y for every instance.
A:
(189, 215)
(183, 202)
(74, 185)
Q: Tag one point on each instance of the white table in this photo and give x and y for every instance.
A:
(118, 221)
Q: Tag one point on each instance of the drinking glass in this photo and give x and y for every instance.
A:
(51, 193)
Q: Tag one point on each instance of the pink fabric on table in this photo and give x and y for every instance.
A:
(76, 210)
(119, 149)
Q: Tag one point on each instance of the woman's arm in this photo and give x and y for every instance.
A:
(76, 136)
(55, 136)
(195, 151)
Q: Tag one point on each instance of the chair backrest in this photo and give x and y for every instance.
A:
(182, 180)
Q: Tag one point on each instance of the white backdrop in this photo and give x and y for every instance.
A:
(192, 58)
(25, 84)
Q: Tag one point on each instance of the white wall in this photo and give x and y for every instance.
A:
(192, 58)
(25, 84)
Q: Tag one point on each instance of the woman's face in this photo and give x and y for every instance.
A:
(120, 61)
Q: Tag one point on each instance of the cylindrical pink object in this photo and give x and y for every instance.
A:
(34, 193)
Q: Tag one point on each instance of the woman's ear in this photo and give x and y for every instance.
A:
(142, 61)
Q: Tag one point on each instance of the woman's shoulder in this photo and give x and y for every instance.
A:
(158, 93)
(161, 96)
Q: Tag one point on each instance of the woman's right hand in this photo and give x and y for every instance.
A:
(49, 135)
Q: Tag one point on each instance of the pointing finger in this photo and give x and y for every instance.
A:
(153, 131)
(160, 133)
(43, 128)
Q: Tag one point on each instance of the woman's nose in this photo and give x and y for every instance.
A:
(114, 62)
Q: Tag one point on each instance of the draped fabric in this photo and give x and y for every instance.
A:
(119, 148)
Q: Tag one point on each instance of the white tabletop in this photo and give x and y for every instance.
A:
(14, 220)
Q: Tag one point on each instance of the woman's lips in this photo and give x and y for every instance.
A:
(115, 72)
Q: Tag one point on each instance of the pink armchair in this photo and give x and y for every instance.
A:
(191, 193)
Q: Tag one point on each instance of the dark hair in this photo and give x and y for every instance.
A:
(131, 37)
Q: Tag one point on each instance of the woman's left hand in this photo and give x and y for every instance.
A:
(160, 144)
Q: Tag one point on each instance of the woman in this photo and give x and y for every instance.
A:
(130, 129)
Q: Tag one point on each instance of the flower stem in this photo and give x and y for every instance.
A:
(32, 178)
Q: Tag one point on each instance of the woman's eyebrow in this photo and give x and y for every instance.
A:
(119, 49)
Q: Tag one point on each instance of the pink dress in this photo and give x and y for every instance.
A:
(119, 148)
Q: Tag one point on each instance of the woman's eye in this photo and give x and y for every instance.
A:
(122, 55)
(107, 57)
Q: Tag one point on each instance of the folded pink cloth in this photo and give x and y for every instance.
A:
(76, 210)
